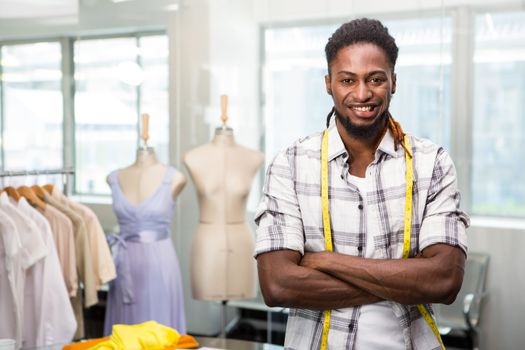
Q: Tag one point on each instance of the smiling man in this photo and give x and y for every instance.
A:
(359, 262)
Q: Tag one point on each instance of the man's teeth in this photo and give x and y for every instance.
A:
(363, 109)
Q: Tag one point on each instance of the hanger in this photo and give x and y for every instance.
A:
(48, 188)
(12, 192)
(31, 197)
(40, 192)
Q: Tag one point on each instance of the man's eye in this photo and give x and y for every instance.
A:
(377, 80)
(347, 81)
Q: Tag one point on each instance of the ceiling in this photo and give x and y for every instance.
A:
(37, 9)
(22, 19)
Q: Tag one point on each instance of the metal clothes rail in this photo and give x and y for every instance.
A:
(63, 171)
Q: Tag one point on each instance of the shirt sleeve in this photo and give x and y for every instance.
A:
(278, 216)
(444, 221)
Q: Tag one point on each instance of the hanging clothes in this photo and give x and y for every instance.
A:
(103, 265)
(42, 313)
(148, 284)
(64, 239)
(84, 265)
(10, 270)
(48, 314)
(50, 246)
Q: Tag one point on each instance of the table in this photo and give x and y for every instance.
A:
(234, 344)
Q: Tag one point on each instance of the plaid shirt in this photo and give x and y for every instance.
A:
(289, 217)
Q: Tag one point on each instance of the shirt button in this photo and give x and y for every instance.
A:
(342, 177)
(360, 248)
(360, 206)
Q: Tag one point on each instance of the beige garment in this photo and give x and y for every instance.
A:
(64, 238)
(84, 264)
(103, 264)
(83, 252)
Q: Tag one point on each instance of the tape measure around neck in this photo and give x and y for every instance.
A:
(327, 230)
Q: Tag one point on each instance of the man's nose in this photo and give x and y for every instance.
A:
(362, 92)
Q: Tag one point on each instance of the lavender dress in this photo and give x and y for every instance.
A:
(148, 284)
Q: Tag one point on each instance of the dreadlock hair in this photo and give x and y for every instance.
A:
(362, 30)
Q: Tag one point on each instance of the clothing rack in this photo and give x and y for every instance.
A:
(64, 172)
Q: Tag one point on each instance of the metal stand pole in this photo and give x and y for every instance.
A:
(223, 318)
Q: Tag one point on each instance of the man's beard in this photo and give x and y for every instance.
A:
(365, 132)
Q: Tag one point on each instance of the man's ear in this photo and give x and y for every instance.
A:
(327, 81)
(394, 78)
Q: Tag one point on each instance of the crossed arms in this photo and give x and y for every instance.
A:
(327, 280)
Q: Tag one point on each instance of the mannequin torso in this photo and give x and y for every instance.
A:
(222, 266)
(142, 178)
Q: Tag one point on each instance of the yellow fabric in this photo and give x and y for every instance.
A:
(145, 336)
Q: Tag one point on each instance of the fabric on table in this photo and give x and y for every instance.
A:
(185, 342)
(148, 336)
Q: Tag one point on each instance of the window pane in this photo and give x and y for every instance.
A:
(32, 105)
(296, 102)
(499, 123)
(422, 100)
(154, 91)
(106, 80)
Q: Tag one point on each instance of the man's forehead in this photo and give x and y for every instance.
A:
(366, 56)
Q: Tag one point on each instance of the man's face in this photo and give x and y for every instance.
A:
(361, 84)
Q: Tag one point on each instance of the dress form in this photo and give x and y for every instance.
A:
(142, 178)
(222, 264)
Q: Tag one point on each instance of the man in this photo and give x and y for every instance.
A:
(373, 293)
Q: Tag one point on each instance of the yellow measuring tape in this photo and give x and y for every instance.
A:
(326, 225)
(409, 177)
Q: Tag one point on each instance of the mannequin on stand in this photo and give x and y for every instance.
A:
(142, 178)
(222, 264)
(148, 284)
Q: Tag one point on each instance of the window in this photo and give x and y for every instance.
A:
(117, 79)
(422, 101)
(32, 106)
(296, 103)
(498, 119)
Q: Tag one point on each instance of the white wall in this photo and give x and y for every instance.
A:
(502, 316)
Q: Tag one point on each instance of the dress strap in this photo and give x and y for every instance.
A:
(168, 177)
(112, 178)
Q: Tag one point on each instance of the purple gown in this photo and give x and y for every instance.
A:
(148, 284)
